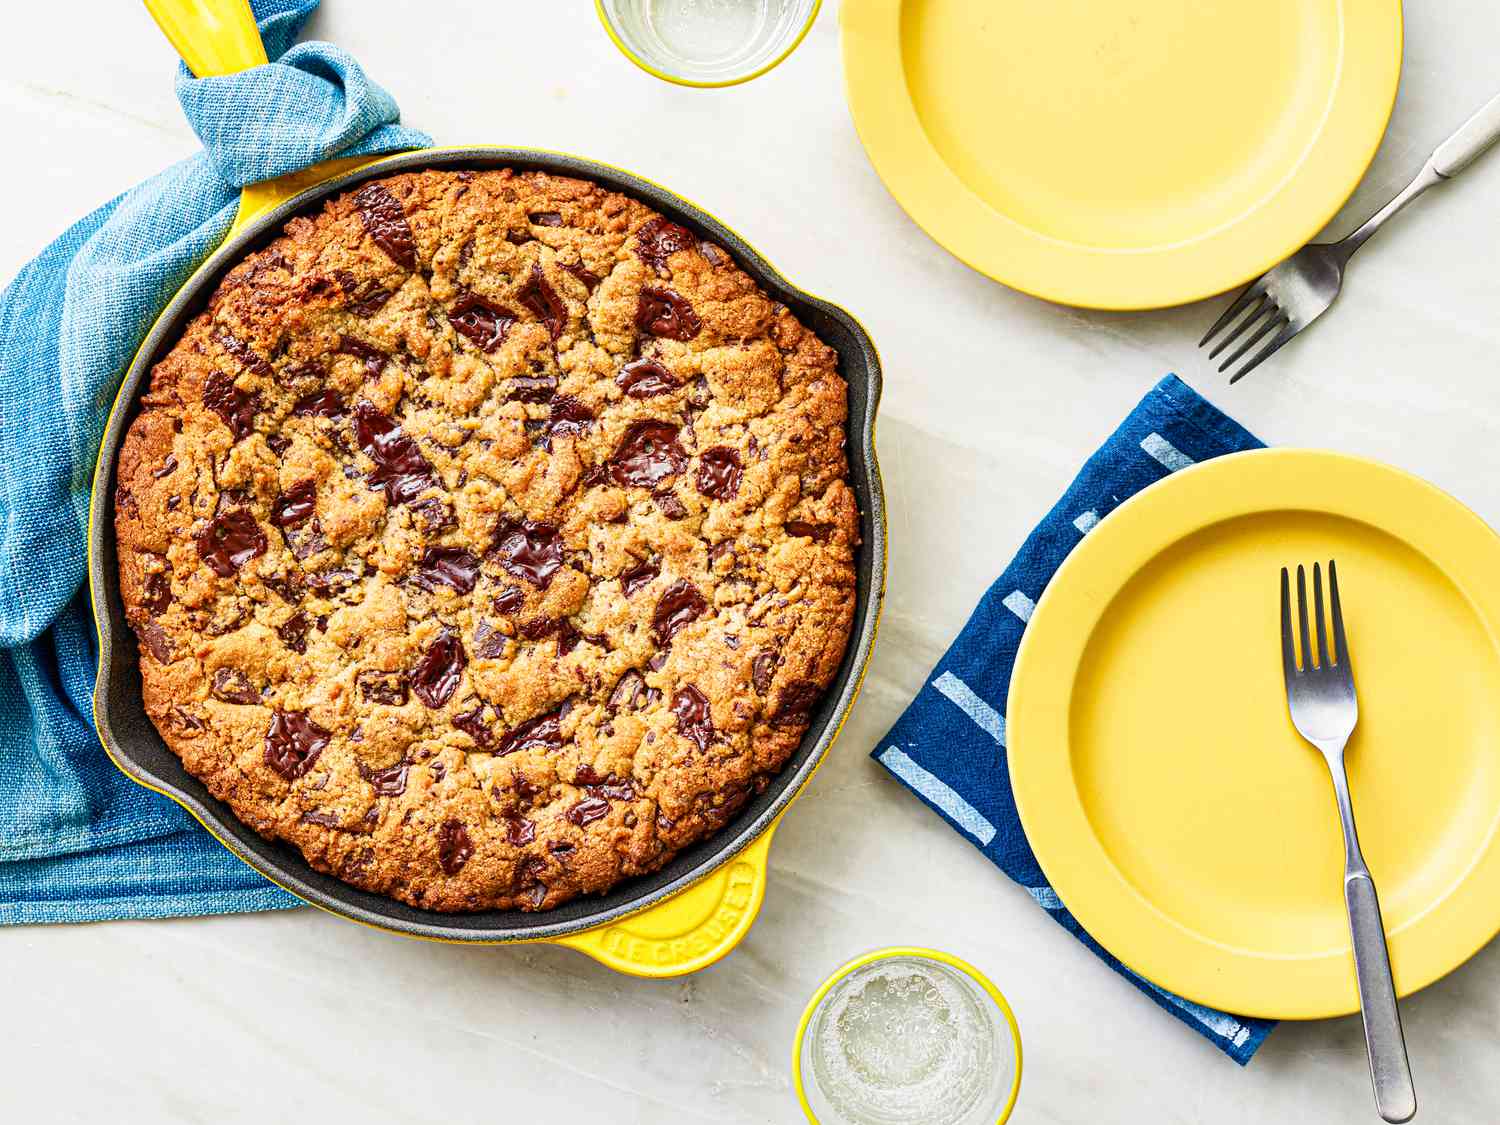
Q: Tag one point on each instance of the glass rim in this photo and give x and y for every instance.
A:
(705, 83)
(920, 953)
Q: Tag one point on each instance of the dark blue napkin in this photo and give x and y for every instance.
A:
(943, 747)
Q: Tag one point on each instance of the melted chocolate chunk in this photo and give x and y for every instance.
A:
(156, 592)
(518, 831)
(648, 455)
(681, 604)
(645, 378)
(305, 544)
(433, 514)
(546, 218)
(447, 566)
(670, 505)
(296, 505)
(454, 847)
(815, 531)
(474, 724)
(483, 322)
(400, 467)
(719, 472)
(762, 669)
(577, 270)
(541, 733)
(330, 582)
(569, 416)
(389, 782)
(236, 407)
(509, 601)
(231, 539)
(488, 642)
(436, 676)
(694, 718)
(293, 743)
(637, 576)
(532, 551)
(529, 388)
(372, 357)
(713, 254)
(797, 701)
(539, 296)
(382, 687)
(539, 627)
(366, 298)
(154, 639)
(293, 632)
(629, 692)
(326, 403)
(386, 224)
(230, 685)
(243, 352)
(667, 313)
(167, 467)
(660, 238)
(587, 810)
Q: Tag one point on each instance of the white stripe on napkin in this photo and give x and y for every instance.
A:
(1019, 604)
(1085, 523)
(965, 815)
(1221, 1024)
(985, 717)
(1045, 897)
(1165, 452)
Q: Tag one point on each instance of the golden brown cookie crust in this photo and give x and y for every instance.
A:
(488, 538)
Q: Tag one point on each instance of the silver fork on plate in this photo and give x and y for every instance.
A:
(1294, 294)
(1324, 710)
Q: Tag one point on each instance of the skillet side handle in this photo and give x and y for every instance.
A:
(217, 37)
(213, 37)
(692, 929)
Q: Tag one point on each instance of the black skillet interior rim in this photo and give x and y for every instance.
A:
(138, 749)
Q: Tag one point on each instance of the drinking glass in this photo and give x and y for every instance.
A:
(707, 42)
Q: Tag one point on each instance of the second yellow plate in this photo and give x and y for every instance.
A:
(1172, 805)
(1121, 155)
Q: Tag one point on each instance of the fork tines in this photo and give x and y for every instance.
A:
(1263, 311)
(1289, 647)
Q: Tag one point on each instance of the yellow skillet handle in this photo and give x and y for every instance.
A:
(220, 37)
(692, 929)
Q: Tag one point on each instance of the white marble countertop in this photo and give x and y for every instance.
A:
(992, 401)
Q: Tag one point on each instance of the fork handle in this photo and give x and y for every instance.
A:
(1390, 1072)
(1395, 1097)
(1473, 137)
(1448, 160)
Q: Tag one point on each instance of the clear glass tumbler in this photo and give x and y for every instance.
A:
(707, 42)
(908, 1037)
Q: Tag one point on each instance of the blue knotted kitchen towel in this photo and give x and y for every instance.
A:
(944, 745)
(78, 841)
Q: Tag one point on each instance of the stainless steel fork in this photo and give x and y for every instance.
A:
(1294, 294)
(1324, 710)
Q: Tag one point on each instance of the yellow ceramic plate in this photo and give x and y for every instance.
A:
(1157, 773)
(1121, 155)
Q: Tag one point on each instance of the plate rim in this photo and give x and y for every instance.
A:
(1438, 939)
(993, 244)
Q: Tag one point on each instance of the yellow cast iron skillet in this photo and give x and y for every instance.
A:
(675, 921)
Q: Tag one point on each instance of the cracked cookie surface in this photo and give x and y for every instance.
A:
(488, 538)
